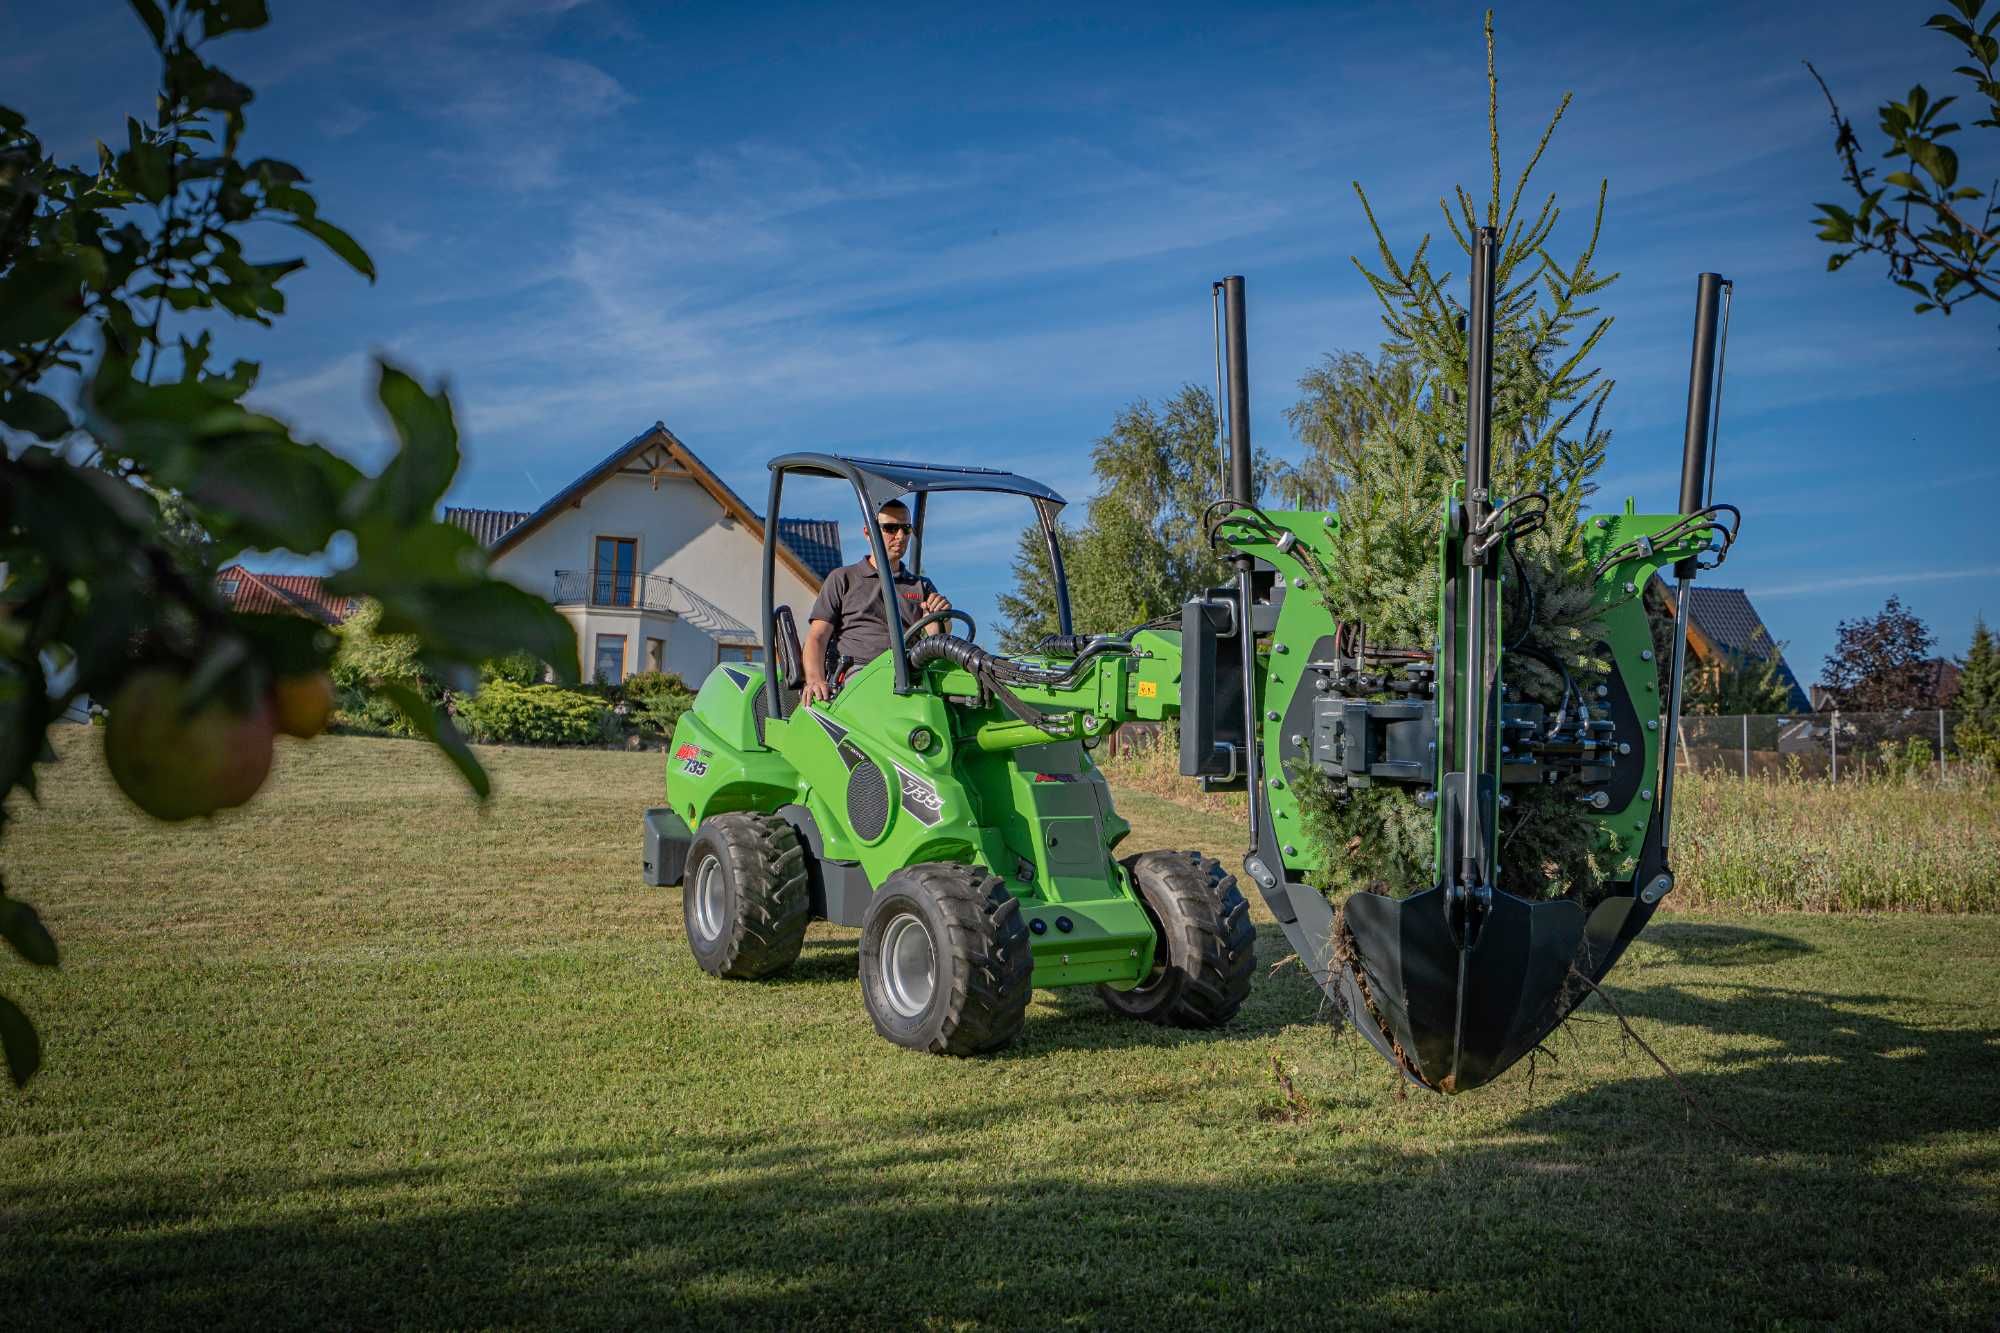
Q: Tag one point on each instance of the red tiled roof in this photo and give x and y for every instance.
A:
(298, 594)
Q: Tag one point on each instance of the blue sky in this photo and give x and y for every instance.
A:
(972, 234)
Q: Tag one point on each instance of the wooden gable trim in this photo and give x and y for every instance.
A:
(732, 506)
(648, 455)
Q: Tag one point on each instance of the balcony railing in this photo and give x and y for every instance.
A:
(650, 592)
(604, 587)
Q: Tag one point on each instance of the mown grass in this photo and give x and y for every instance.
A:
(1776, 843)
(361, 1054)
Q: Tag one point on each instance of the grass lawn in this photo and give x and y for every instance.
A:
(362, 1054)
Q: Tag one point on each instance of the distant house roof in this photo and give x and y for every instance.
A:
(1723, 624)
(815, 540)
(486, 525)
(298, 594)
(811, 546)
(1941, 680)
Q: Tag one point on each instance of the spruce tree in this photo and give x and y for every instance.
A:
(1392, 481)
(1977, 733)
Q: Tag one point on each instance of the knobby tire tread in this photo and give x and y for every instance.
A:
(767, 865)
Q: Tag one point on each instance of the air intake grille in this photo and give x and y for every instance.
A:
(867, 802)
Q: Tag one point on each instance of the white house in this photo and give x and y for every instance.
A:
(654, 560)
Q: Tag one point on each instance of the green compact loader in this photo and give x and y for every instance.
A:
(945, 800)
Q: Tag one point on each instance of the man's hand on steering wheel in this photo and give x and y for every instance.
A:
(936, 616)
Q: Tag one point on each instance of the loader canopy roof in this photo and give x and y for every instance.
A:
(884, 479)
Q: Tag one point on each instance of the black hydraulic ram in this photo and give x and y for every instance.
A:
(1697, 469)
(1474, 879)
(1242, 489)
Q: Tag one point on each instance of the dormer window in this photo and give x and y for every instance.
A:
(228, 587)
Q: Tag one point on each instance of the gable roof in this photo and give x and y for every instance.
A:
(486, 525)
(815, 540)
(1723, 624)
(296, 594)
(810, 548)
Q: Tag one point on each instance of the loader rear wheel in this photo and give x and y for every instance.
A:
(945, 962)
(745, 896)
(1206, 946)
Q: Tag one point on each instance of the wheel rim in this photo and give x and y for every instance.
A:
(709, 893)
(909, 966)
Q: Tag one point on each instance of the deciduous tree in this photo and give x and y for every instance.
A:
(132, 465)
(1881, 663)
(1936, 237)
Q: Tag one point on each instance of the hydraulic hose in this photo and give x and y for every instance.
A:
(983, 667)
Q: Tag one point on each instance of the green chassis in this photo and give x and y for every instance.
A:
(965, 781)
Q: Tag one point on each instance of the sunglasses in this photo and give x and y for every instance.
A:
(892, 529)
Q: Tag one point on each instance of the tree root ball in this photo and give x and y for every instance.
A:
(304, 704)
(176, 765)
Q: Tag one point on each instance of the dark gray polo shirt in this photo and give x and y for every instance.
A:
(851, 601)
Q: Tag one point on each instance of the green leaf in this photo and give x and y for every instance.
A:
(22, 927)
(478, 621)
(144, 166)
(155, 21)
(339, 242)
(288, 645)
(1941, 162)
(220, 16)
(41, 297)
(24, 1048)
(439, 731)
(268, 491)
(35, 413)
(411, 485)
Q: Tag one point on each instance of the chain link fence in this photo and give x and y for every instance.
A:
(1838, 746)
(1851, 747)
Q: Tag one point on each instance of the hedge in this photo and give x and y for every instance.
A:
(534, 715)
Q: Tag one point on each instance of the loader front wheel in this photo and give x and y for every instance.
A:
(945, 962)
(1206, 946)
(744, 895)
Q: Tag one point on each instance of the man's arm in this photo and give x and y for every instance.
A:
(934, 602)
(819, 633)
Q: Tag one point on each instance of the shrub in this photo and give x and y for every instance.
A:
(535, 715)
(655, 700)
(518, 668)
(365, 659)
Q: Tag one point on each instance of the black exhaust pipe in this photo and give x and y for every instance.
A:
(1701, 404)
(1242, 482)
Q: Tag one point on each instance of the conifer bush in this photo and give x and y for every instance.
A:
(1386, 445)
(505, 712)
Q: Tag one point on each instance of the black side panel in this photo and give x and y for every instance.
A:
(840, 889)
(667, 843)
(1212, 714)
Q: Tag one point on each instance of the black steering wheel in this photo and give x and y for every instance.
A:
(921, 623)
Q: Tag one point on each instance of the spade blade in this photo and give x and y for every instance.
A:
(1463, 1016)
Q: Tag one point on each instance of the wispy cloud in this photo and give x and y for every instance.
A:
(1845, 582)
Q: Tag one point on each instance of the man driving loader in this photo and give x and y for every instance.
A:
(848, 611)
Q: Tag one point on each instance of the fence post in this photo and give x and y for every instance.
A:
(1940, 745)
(1746, 745)
(1833, 735)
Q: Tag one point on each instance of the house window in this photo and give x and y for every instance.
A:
(617, 561)
(610, 659)
(228, 587)
(656, 654)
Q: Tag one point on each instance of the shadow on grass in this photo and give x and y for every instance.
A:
(1603, 1206)
(1704, 945)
